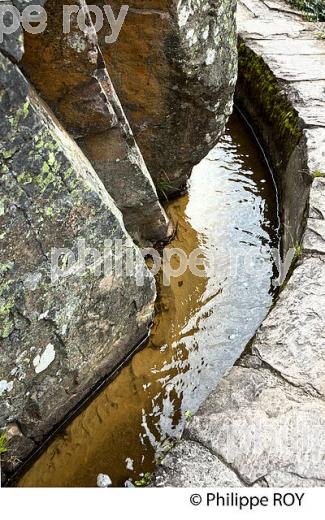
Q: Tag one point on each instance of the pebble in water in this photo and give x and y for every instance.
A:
(103, 481)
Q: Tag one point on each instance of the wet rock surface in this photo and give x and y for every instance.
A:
(265, 420)
(174, 67)
(59, 334)
(69, 72)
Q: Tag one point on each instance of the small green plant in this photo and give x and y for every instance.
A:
(313, 9)
(163, 186)
(167, 447)
(298, 251)
(318, 173)
(320, 35)
(3, 443)
(188, 415)
(144, 481)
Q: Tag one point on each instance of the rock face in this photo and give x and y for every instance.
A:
(68, 313)
(265, 420)
(260, 426)
(174, 67)
(281, 87)
(12, 44)
(63, 325)
(177, 468)
(118, 162)
(69, 71)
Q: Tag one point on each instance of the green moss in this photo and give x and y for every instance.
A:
(50, 144)
(7, 328)
(39, 143)
(5, 309)
(3, 443)
(45, 168)
(298, 251)
(68, 173)
(49, 212)
(4, 169)
(52, 160)
(19, 116)
(51, 170)
(25, 178)
(47, 176)
(318, 173)
(4, 268)
(25, 108)
(261, 86)
(8, 306)
(144, 481)
(4, 286)
(48, 168)
(7, 154)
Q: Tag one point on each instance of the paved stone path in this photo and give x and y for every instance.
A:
(264, 424)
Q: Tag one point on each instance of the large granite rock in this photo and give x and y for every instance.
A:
(174, 67)
(69, 72)
(59, 334)
(117, 160)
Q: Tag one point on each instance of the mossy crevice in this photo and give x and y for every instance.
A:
(257, 79)
(269, 102)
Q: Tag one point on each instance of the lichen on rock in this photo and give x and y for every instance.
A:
(58, 336)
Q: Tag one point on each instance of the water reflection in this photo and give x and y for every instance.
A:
(202, 325)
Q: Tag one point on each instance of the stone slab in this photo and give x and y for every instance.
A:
(189, 464)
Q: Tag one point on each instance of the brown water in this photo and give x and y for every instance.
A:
(202, 326)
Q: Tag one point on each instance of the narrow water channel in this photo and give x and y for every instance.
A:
(203, 323)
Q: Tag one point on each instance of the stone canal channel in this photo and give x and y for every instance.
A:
(203, 323)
